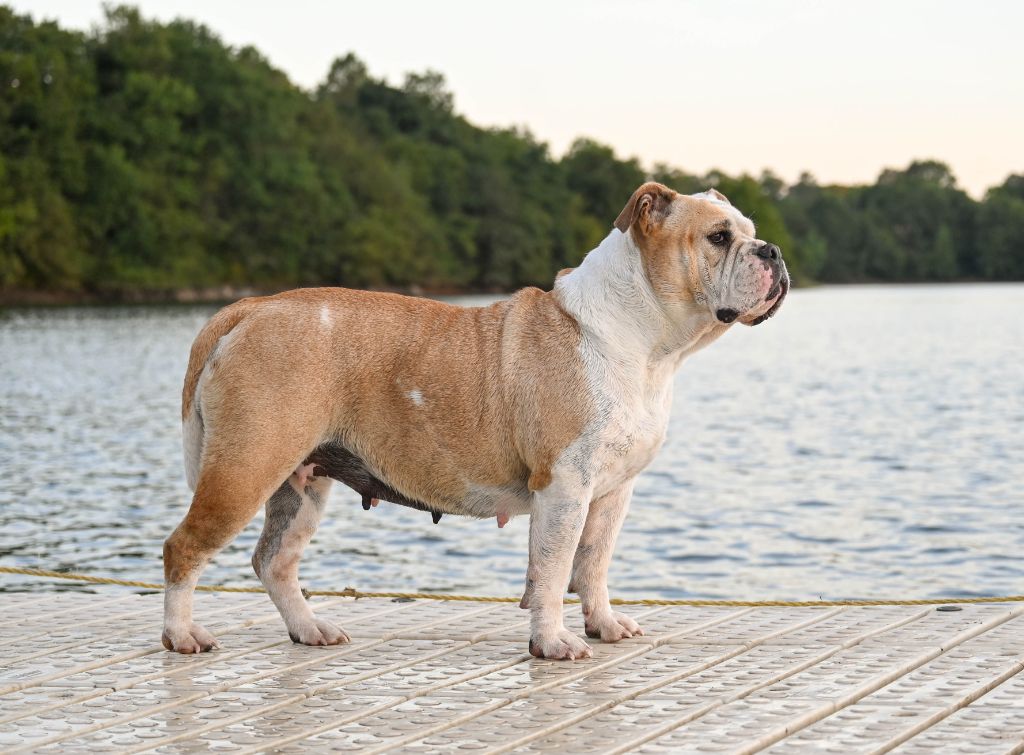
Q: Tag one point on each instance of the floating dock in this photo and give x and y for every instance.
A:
(86, 673)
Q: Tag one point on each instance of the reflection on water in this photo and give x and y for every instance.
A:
(866, 442)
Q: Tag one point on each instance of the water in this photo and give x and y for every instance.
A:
(867, 442)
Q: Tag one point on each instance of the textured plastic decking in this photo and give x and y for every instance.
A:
(85, 673)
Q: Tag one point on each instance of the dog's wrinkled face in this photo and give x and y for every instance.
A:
(700, 250)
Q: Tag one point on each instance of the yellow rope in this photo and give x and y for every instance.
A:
(351, 592)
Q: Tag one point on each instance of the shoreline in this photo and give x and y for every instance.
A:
(228, 293)
(207, 295)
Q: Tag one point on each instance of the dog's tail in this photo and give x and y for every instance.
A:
(203, 347)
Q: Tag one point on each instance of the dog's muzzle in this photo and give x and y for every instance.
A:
(780, 281)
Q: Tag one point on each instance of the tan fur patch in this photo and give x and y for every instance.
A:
(540, 478)
(436, 399)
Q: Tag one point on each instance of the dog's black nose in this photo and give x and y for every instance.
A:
(769, 252)
(727, 315)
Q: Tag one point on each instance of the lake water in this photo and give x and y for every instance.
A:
(867, 442)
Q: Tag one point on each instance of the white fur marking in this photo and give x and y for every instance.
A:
(707, 195)
(193, 426)
(325, 316)
(192, 441)
(416, 397)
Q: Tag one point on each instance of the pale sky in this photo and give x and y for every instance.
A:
(842, 89)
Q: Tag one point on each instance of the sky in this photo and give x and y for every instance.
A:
(839, 89)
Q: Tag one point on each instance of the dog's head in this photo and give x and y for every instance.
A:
(700, 250)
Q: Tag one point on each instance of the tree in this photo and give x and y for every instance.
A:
(1001, 231)
(145, 157)
(604, 182)
(344, 80)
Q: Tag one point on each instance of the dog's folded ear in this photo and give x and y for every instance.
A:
(647, 208)
(718, 195)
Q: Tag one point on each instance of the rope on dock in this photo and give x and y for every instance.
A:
(351, 592)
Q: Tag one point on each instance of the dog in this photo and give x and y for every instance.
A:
(549, 403)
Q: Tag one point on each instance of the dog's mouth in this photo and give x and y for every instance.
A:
(778, 293)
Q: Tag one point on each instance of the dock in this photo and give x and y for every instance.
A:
(86, 673)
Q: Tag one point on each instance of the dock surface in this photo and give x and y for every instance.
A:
(86, 673)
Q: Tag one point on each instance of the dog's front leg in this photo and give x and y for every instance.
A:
(556, 523)
(590, 566)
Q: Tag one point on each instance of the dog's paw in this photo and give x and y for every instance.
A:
(318, 632)
(194, 640)
(561, 645)
(612, 627)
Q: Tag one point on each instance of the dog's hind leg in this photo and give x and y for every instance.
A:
(229, 492)
(293, 513)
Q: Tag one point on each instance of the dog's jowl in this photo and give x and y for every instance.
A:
(548, 404)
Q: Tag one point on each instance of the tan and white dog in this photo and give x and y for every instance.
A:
(548, 404)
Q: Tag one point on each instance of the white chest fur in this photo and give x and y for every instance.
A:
(632, 425)
(630, 349)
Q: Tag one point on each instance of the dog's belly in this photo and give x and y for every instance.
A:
(502, 501)
(336, 461)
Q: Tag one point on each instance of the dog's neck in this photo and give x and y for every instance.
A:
(611, 297)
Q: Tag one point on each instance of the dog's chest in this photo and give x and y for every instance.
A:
(633, 433)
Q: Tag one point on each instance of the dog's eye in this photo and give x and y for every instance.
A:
(719, 238)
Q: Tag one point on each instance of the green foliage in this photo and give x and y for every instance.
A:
(912, 224)
(593, 172)
(1000, 226)
(144, 156)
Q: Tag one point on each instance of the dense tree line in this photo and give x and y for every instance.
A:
(151, 157)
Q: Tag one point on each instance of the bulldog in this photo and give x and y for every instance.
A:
(549, 403)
